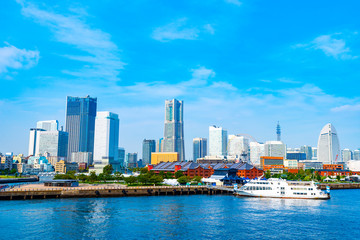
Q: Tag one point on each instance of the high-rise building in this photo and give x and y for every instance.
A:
(218, 139)
(307, 150)
(80, 124)
(34, 141)
(82, 157)
(54, 143)
(257, 150)
(328, 145)
(106, 143)
(49, 125)
(238, 147)
(199, 148)
(275, 149)
(356, 154)
(346, 154)
(314, 153)
(174, 128)
(148, 148)
(131, 160)
(121, 156)
(160, 145)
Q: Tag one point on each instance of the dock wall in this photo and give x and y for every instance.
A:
(85, 192)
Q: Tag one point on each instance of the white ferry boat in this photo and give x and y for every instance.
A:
(280, 188)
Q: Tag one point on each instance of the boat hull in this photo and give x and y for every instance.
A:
(246, 194)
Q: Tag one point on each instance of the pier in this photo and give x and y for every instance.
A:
(108, 191)
(336, 186)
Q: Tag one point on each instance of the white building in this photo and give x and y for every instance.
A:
(217, 141)
(275, 149)
(314, 153)
(256, 151)
(34, 141)
(238, 147)
(356, 154)
(49, 125)
(106, 140)
(347, 155)
(82, 157)
(328, 145)
(353, 165)
(54, 143)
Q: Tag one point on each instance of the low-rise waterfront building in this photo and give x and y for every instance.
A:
(64, 167)
(158, 157)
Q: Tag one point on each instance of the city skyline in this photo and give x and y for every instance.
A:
(227, 76)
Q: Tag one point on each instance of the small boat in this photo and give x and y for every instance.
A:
(281, 188)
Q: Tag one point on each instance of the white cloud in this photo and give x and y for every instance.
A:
(347, 108)
(12, 57)
(235, 2)
(209, 28)
(175, 30)
(331, 45)
(288, 80)
(101, 54)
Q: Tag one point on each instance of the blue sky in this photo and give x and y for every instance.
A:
(240, 64)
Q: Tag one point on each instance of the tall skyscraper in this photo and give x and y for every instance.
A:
(106, 143)
(131, 160)
(328, 145)
(257, 150)
(278, 132)
(34, 141)
(347, 155)
(148, 148)
(53, 142)
(199, 148)
(356, 154)
(314, 153)
(275, 149)
(49, 125)
(218, 139)
(80, 124)
(238, 146)
(307, 150)
(160, 145)
(174, 128)
(121, 156)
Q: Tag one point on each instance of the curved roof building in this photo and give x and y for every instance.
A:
(328, 145)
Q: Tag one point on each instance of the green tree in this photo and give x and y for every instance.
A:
(118, 176)
(183, 180)
(338, 177)
(108, 169)
(268, 174)
(130, 180)
(82, 177)
(196, 179)
(144, 170)
(156, 179)
(169, 175)
(92, 177)
(307, 178)
(13, 171)
(179, 174)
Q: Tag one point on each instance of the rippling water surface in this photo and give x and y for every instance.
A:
(183, 217)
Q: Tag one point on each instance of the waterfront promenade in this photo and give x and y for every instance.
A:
(37, 191)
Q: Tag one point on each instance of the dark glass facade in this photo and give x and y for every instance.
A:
(80, 124)
(148, 148)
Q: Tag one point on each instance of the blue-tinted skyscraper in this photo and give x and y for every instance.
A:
(80, 124)
(148, 148)
(174, 128)
(199, 148)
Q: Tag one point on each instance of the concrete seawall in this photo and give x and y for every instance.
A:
(18, 180)
(335, 186)
(84, 192)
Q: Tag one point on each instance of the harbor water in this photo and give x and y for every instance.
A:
(183, 217)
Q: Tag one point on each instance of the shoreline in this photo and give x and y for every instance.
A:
(107, 191)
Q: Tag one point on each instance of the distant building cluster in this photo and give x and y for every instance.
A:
(90, 141)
